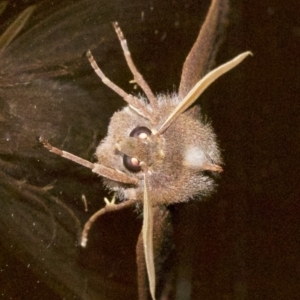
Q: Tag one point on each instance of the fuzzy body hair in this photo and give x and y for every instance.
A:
(176, 168)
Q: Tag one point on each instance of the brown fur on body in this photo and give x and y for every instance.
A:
(177, 156)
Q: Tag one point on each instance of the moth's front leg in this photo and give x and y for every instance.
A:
(163, 256)
(110, 206)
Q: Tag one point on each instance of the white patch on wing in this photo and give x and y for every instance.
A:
(194, 157)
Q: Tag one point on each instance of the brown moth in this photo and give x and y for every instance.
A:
(151, 135)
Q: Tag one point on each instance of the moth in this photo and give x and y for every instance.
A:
(158, 151)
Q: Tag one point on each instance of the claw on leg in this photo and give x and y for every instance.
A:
(111, 202)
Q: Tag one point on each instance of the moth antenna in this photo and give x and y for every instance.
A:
(202, 55)
(147, 231)
(107, 172)
(133, 101)
(109, 207)
(139, 79)
(200, 87)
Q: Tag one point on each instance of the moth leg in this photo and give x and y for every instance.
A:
(136, 74)
(96, 168)
(109, 207)
(212, 167)
(133, 101)
(65, 154)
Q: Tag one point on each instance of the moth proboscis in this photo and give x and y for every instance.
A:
(145, 138)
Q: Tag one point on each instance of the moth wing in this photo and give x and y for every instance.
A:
(48, 88)
(202, 55)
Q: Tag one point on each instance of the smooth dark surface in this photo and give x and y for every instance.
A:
(247, 236)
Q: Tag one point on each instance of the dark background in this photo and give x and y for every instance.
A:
(246, 245)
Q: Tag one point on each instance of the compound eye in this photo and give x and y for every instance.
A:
(140, 132)
(132, 163)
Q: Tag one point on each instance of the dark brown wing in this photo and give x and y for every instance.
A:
(47, 88)
(203, 52)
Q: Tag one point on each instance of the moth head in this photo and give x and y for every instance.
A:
(168, 139)
(179, 161)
